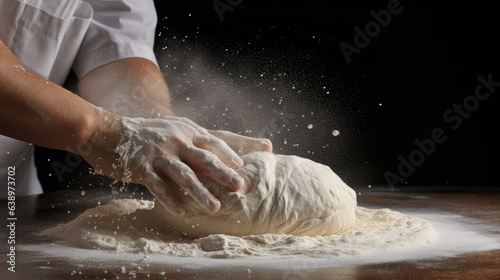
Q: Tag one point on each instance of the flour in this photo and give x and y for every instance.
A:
(133, 226)
(288, 206)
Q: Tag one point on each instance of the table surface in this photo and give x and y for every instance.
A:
(39, 212)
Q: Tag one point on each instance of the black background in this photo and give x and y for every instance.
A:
(273, 68)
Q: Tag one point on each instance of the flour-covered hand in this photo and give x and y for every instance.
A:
(243, 144)
(163, 155)
(240, 144)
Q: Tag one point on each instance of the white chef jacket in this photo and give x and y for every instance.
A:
(52, 36)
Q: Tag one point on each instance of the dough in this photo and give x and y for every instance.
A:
(282, 194)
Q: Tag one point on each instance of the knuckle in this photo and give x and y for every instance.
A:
(187, 180)
(224, 174)
(178, 141)
(208, 160)
(200, 138)
(190, 151)
(162, 161)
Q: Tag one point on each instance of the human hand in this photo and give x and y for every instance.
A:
(243, 144)
(163, 154)
(238, 143)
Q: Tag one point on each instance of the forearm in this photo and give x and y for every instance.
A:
(132, 87)
(38, 111)
(135, 87)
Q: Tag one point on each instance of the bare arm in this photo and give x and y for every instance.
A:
(132, 87)
(135, 87)
(35, 110)
(41, 112)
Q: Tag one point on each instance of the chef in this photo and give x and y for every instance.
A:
(109, 46)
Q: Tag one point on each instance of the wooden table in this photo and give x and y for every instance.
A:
(39, 212)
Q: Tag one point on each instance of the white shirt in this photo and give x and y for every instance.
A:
(52, 36)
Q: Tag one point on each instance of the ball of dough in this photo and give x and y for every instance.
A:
(282, 194)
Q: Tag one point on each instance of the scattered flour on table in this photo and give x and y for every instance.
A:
(288, 206)
(133, 226)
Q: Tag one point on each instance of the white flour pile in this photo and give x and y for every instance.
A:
(289, 206)
(134, 226)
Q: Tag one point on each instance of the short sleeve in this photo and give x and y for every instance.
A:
(119, 29)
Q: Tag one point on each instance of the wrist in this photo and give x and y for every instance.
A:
(103, 130)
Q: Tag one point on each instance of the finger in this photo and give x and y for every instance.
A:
(163, 193)
(243, 144)
(182, 175)
(194, 125)
(209, 164)
(219, 148)
(187, 121)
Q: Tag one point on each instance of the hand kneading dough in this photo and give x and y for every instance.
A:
(282, 194)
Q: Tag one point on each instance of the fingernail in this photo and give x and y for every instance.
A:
(266, 145)
(238, 162)
(237, 181)
(213, 204)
